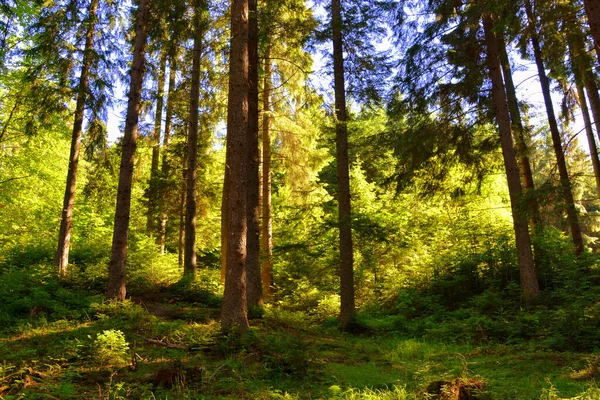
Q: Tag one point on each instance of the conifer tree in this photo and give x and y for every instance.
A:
(189, 265)
(529, 282)
(117, 268)
(234, 309)
(565, 180)
(64, 237)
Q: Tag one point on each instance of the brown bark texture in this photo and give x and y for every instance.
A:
(590, 135)
(166, 168)
(153, 186)
(224, 220)
(518, 132)
(592, 9)
(253, 276)
(347, 308)
(528, 275)
(578, 62)
(117, 268)
(64, 235)
(266, 240)
(234, 309)
(189, 262)
(561, 163)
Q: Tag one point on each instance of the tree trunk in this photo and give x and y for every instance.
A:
(116, 271)
(266, 241)
(590, 136)
(592, 9)
(234, 309)
(578, 66)
(519, 135)
(347, 309)
(529, 282)
(64, 236)
(166, 168)
(224, 220)
(253, 277)
(153, 187)
(189, 263)
(565, 181)
(181, 241)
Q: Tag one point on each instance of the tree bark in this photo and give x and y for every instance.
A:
(234, 308)
(153, 187)
(347, 309)
(592, 9)
(590, 136)
(224, 220)
(64, 236)
(579, 71)
(166, 168)
(266, 241)
(565, 181)
(518, 132)
(529, 282)
(189, 263)
(253, 277)
(117, 268)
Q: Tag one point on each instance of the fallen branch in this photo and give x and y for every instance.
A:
(166, 344)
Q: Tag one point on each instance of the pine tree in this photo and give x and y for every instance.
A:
(529, 283)
(117, 268)
(565, 181)
(64, 237)
(234, 309)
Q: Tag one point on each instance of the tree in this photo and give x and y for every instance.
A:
(565, 181)
(529, 283)
(153, 190)
(347, 309)
(117, 267)
(592, 9)
(266, 239)
(253, 274)
(234, 309)
(64, 236)
(189, 264)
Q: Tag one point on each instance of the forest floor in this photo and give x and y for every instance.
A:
(153, 348)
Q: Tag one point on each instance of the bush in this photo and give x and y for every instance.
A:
(110, 347)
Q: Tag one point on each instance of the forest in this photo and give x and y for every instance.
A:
(291, 199)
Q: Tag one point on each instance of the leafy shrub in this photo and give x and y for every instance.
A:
(328, 307)
(110, 347)
(35, 292)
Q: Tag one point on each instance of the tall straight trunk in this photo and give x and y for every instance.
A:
(592, 9)
(224, 220)
(117, 269)
(591, 89)
(234, 309)
(528, 275)
(153, 189)
(253, 277)
(266, 240)
(590, 135)
(565, 181)
(64, 236)
(189, 263)
(576, 52)
(166, 168)
(181, 241)
(347, 309)
(518, 132)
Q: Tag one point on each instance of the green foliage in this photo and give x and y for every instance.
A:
(35, 294)
(110, 347)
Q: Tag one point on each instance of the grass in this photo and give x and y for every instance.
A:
(156, 349)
